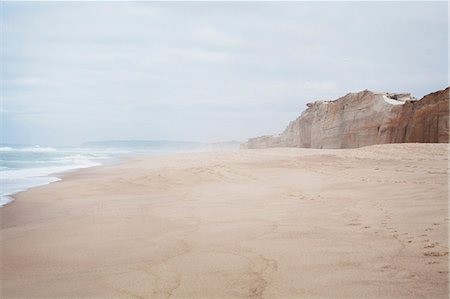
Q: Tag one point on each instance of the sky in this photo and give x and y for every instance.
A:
(204, 71)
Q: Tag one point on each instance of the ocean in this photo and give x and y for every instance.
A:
(23, 167)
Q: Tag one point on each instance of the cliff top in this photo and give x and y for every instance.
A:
(388, 97)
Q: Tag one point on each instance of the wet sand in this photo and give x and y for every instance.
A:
(276, 223)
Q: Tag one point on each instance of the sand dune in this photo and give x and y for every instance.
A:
(277, 223)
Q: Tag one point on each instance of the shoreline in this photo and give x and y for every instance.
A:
(272, 223)
(58, 176)
(51, 177)
(54, 177)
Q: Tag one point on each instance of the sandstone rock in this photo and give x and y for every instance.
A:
(429, 119)
(365, 118)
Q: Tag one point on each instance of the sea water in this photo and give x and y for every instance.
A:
(22, 167)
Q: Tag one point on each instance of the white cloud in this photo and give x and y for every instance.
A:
(200, 70)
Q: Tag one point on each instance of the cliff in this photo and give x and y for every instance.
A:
(365, 118)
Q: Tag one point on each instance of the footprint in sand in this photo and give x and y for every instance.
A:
(431, 245)
(435, 253)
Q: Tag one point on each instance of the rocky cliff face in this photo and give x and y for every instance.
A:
(365, 118)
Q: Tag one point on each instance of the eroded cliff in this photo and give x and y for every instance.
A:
(365, 118)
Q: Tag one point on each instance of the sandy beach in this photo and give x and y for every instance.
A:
(274, 223)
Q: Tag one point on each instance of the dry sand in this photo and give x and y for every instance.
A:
(277, 223)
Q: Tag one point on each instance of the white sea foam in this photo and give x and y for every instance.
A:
(79, 159)
(35, 148)
(20, 178)
(5, 200)
(73, 159)
(23, 167)
(12, 186)
(41, 171)
(39, 149)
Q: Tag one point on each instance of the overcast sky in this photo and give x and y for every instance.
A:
(205, 71)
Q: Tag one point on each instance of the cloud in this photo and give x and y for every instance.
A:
(205, 71)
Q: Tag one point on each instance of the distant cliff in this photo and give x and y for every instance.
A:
(365, 118)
